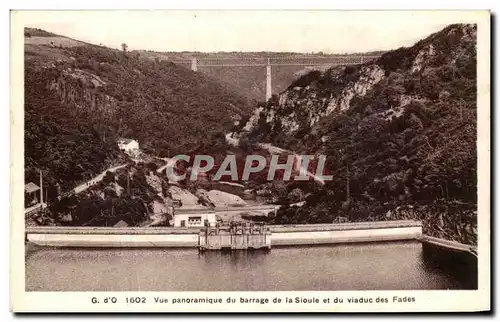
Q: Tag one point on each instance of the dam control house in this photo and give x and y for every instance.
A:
(196, 217)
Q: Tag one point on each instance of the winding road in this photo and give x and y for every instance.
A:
(84, 186)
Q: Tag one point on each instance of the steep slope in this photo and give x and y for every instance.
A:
(399, 133)
(80, 98)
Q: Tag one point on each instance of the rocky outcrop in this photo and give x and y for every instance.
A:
(302, 105)
(223, 199)
(368, 77)
(187, 199)
(80, 89)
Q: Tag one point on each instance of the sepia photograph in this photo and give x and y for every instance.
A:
(251, 151)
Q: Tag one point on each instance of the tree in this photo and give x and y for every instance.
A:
(124, 47)
(151, 166)
(108, 178)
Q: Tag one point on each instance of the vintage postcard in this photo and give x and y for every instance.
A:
(250, 161)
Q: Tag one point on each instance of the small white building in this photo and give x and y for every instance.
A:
(128, 145)
(31, 190)
(193, 217)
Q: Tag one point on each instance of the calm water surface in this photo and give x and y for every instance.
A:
(383, 266)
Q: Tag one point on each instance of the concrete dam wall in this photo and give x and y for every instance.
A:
(281, 235)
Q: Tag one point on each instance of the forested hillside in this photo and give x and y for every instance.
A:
(80, 98)
(399, 133)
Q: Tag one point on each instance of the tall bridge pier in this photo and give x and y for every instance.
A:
(194, 65)
(269, 89)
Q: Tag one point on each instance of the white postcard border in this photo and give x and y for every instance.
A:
(425, 301)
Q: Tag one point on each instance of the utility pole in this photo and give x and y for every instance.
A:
(348, 184)
(41, 188)
(128, 183)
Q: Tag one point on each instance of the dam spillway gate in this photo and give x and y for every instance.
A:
(235, 236)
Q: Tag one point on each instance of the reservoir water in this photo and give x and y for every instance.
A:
(375, 266)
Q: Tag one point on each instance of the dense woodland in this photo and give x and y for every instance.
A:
(114, 199)
(79, 100)
(62, 141)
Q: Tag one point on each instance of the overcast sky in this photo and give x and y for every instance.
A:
(298, 31)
